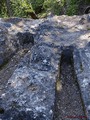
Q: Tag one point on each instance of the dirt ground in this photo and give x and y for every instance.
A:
(68, 104)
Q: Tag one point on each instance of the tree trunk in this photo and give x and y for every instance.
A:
(33, 15)
(9, 12)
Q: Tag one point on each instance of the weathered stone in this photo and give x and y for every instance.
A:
(10, 43)
(3, 46)
(82, 68)
(1, 61)
(38, 92)
(8, 25)
(29, 93)
(13, 20)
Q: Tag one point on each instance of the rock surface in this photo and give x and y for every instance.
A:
(29, 91)
(82, 68)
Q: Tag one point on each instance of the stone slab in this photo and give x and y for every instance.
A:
(31, 88)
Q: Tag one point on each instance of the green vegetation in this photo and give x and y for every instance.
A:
(72, 7)
(40, 8)
(20, 8)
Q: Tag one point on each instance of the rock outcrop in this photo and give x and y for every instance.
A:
(27, 87)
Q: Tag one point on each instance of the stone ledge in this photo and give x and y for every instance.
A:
(82, 69)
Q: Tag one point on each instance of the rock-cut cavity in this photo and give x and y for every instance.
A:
(68, 103)
(25, 38)
(1, 111)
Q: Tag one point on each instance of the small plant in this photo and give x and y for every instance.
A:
(54, 6)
